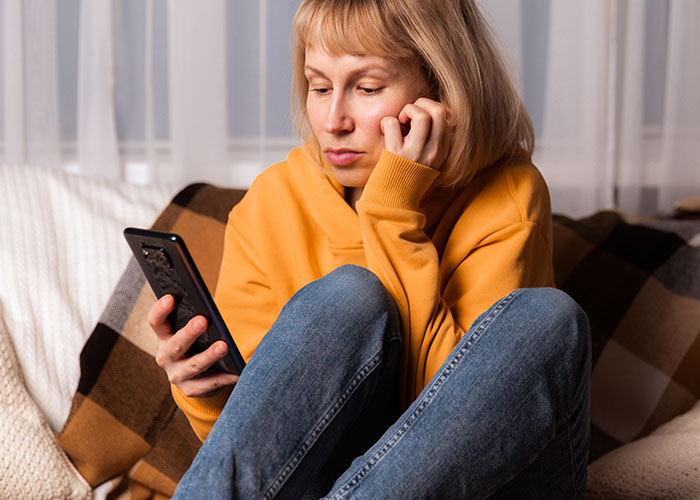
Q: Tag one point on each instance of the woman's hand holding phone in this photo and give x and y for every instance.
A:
(189, 374)
(427, 140)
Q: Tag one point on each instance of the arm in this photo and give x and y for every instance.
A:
(498, 244)
(246, 304)
(187, 374)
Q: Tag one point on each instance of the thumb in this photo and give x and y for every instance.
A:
(391, 128)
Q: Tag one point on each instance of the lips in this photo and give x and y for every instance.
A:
(341, 156)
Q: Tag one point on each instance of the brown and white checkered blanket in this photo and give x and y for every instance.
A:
(639, 284)
(123, 424)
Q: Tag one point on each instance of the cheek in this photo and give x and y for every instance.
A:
(314, 116)
(372, 116)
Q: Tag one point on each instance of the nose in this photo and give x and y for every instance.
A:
(338, 117)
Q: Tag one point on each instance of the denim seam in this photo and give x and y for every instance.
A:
(578, 394)
(435, 386)
(572, 447)
(323, 423)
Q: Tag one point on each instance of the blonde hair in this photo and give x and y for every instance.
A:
(457, 51)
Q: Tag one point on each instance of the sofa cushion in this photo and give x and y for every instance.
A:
(661, 465)
(32, 464)
(639, 283)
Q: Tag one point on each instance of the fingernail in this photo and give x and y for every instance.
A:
(200, 325)
(219, 349)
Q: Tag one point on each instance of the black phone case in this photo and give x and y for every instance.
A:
(169, 269)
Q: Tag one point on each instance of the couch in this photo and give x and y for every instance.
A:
(85, 413)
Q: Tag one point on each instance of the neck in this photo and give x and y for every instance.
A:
(352, 194)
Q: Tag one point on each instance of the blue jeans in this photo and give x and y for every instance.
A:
(315, 413)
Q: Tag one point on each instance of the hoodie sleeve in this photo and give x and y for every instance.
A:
(436, 306)
(247, 305)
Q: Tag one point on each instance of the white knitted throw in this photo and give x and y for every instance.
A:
(61, 254)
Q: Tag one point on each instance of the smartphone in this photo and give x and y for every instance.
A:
(169, 269)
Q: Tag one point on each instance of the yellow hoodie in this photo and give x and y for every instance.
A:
(444, 257)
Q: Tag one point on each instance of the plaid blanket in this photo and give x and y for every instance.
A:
(638, 282)
(123, 424)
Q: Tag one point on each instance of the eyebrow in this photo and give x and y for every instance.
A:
(359, 71)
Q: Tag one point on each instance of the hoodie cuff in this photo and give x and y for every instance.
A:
(398, 183)
(201, 412)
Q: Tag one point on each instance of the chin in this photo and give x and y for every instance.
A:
(350, 178)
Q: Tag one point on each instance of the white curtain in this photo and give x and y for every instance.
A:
(157, 90)
(680, 162)
(146, 90)
(618, 120)
(28, 79)
(97, 141)
(574, 148)
(197, 61)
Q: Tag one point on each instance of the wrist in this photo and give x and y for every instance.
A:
(398, 182)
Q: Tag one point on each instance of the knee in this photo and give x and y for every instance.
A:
(556, 307)
(354, 290)
(558, 329)
(349, 298)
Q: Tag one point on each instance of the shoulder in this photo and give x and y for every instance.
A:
(266, 188)
(507, 210)
(262, 199)
(507, 198)
(283, 177)
(277, 192)
(515, 190)
(526, 184)
(270, 180)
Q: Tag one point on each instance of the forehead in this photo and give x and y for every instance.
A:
(317, 59)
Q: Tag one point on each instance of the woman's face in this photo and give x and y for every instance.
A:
(348, 97)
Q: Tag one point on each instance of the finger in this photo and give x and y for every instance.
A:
(393, 139)
(437, 143)
(177, 345)
(437, 112)
(196, 365)
(429, 105)
(415, 141)
(444, 148)
(158, 317)
(207, 384)
(418, 117)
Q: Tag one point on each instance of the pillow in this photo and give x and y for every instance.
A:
(665, 464)
(639, 283)
(32, 464)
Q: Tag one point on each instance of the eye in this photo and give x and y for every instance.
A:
(319, 90)
(369, 90)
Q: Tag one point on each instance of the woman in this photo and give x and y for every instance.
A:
(385, 284)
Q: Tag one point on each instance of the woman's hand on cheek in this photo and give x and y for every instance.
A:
(426, 141)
